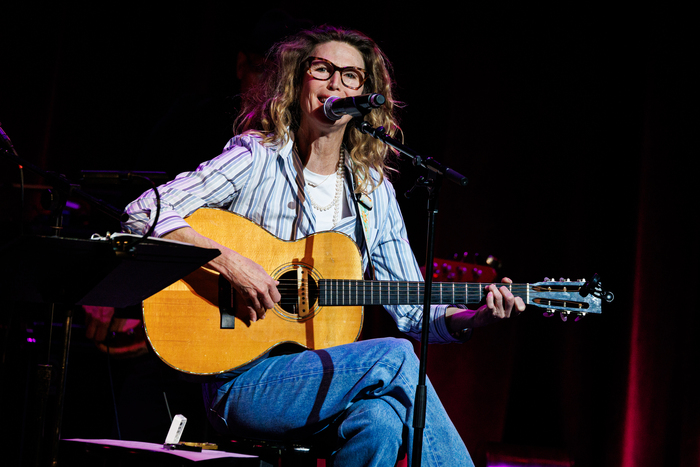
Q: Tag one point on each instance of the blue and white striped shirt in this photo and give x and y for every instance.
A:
(263, 183)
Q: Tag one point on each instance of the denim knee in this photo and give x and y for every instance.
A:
(400, 352)
(397, 349)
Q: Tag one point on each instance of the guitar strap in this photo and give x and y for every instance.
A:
(363, 204)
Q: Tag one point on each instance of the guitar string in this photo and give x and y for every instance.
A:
(399, 288)
(390, 291)
(394, 288)
(402, 289)
(380, 292)
(387, 293)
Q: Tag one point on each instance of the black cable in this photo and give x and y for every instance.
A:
(130, 245)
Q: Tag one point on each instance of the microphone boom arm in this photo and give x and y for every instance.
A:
(419, 161)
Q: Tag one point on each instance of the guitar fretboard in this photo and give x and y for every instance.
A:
(337, 292)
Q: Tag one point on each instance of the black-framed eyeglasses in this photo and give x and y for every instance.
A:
(352, 77)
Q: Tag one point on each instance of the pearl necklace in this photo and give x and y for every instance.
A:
(339, 181)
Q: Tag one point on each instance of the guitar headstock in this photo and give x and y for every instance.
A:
(569, 298)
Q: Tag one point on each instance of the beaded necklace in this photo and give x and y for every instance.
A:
(339, 181)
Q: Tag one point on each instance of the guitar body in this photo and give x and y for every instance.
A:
(184, 321)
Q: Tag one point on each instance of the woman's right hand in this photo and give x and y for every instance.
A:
(256, 288)
(254, 285)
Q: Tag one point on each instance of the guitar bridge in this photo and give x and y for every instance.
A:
(302, 306)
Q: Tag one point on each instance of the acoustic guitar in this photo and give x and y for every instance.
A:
(192, 324)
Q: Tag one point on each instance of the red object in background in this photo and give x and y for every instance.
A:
(445, 270)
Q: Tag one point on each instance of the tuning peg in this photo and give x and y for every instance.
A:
(564, 315)
(493, 262)
(548, 314)
(580, 316)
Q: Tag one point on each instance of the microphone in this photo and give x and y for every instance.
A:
(357, 106)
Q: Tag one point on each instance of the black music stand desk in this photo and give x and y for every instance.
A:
(90, 272)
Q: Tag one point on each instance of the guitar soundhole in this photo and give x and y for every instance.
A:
(299, 290)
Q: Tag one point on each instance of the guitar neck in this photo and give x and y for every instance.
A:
(335, 292)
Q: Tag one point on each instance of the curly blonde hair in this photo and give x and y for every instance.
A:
(272, 108)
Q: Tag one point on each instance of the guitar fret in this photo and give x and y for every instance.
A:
(527, 292)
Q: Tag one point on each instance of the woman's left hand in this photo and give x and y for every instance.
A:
(500, 304)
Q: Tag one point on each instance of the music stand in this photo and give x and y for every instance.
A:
(90, 272)
(74, 272)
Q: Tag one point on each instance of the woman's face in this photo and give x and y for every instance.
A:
(314, 92)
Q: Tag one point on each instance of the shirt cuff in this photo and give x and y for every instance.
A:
(167, 222)
(441, 329)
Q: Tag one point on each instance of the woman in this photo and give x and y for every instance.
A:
(293, 171)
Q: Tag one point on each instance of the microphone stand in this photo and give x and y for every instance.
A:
(431, 182)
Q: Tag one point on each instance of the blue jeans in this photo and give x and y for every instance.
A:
(363, 390)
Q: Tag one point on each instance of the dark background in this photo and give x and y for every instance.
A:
(571, 122)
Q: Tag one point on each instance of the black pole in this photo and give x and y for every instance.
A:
(432, 183)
